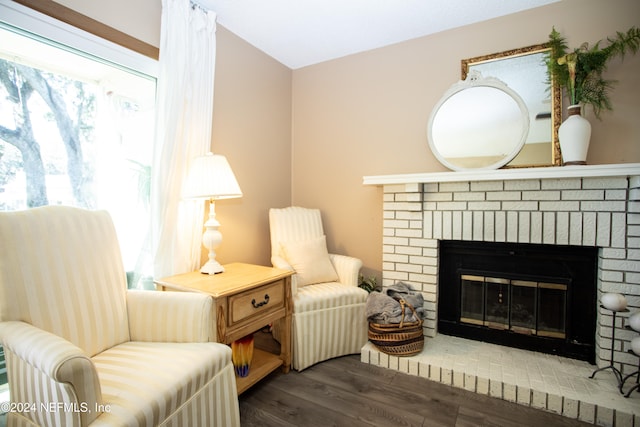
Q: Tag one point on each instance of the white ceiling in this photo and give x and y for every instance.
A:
(304, 32)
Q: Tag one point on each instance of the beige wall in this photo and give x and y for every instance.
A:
(252, 127)
(141, 20)
(367, 114)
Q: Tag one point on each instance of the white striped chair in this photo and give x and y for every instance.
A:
(328, 308)
(83, 350)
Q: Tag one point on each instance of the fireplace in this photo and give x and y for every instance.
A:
(535, 297)
(595, 207)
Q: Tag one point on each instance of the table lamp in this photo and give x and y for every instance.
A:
(210, 177)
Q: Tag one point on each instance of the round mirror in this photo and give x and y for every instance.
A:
(480, 123)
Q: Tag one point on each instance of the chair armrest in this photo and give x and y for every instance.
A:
(279, 262)
(156, 316)
(348, 268)
(47, 367)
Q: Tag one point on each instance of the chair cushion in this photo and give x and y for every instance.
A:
(326, 296)
(310, 260)
(61, 271)
(143, 383)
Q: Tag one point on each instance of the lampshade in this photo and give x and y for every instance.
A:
(211, 177)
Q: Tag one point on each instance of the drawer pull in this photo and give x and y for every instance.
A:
(260, 304)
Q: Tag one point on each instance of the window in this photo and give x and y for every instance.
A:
(76, 126)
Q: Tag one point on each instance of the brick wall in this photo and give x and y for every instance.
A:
(602, 212)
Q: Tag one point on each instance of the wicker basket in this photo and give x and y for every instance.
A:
(398, 339)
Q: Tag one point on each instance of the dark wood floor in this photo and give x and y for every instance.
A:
(347, 392)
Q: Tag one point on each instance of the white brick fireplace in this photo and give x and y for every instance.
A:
(596, 206)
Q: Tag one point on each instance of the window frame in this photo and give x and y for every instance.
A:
(127, 52)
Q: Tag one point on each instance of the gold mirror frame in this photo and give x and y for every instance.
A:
(555, 96)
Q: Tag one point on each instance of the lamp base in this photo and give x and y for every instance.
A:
(211, 239)
(212, 267)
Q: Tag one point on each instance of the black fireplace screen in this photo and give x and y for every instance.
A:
(536, 297)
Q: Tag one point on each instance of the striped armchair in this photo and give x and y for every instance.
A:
(328, 306)
(83, 350)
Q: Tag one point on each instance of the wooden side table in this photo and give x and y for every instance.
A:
(247, 298)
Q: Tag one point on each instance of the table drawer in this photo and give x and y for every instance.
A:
(247, 304)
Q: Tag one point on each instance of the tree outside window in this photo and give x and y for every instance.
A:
(77, 130)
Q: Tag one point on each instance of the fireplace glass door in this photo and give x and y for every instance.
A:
(524, 307)
(534, 297)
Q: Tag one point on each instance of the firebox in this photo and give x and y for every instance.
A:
(536, 297)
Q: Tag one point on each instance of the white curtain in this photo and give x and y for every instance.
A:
(183, 132)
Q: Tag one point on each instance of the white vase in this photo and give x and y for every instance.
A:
(574, 135)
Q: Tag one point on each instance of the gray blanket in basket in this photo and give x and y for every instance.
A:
(384, 307)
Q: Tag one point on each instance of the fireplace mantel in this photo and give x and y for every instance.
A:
(555, 172)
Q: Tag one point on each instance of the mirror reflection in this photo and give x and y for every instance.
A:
(480, 123)
(524, 71)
